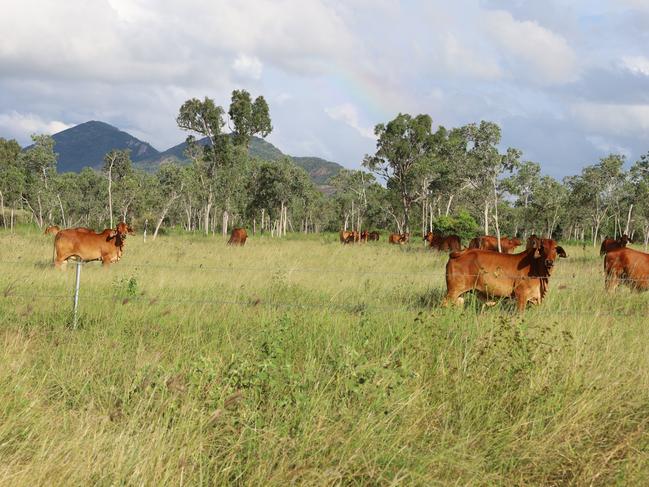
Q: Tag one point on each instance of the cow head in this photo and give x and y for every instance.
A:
(624, 239)
(122, 230)
(428, 237)
(405, 237)
(515, 242)
(532, 241)
(547, 250)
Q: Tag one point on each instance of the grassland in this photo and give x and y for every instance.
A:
(304, 361)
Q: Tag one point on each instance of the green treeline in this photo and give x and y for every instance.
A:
(454, 180)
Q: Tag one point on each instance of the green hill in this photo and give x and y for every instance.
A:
(86, 144)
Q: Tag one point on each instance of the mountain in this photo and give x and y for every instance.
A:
(320, 170)
(86, 144)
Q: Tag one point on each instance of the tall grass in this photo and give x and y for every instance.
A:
(309, 362)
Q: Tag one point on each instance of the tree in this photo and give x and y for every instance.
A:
(39, 162)
(118, 168)
(12, 177)
(594, 191)
(523, 184)
(352, 188)
(404, 145)
(249, 118)
(487, 164)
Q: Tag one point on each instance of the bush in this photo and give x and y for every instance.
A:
(462, 225)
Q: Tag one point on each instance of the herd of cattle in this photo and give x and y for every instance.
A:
(485, 267)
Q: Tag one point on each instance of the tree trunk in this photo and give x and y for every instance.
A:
(62, 212)
(226, 218)
(496, 217)
(262, 221)
(448, 205)
(110, 194)
(486, 217)
(2, 205)
(628, 220)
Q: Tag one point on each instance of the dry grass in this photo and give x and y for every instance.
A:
(310, 362)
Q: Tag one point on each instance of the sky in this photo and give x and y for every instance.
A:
(567, 80)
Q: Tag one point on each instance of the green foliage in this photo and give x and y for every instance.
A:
(462, 225)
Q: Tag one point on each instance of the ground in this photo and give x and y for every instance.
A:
(307, 361)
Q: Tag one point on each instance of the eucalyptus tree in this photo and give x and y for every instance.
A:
(404, 145)
(639, 177)
(487, 164)
(523, 184)
(351, 195)
(12, 177)
(118, 170)
(249, 118)
(39, 164)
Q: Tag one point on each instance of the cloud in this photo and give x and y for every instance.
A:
(348, 114)
(247, 67)
(19, 125)
(636, 64)
(532, 50)
(613, 118)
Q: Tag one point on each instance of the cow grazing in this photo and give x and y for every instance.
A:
(450, 243)
(489, 242)
(609, 244)
(87, 245)
(364, 236)
(627, 265)
(238, 236)
(523, 276)
(344, 236)
(399, 238)
(373, 236)
(52, 230)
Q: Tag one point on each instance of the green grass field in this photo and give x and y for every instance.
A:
(304, 361)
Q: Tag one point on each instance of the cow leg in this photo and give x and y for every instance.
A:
(105, 261)
(611, 282)
(521, 301)
(453, 298)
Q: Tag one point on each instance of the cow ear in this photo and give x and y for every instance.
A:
(561, 252)
(112, 234)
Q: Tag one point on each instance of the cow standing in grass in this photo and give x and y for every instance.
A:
(87, 245)
(523, 276)
(238, 236)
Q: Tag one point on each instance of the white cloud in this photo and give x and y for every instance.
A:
(613, 119)
(21, 125)
(608, 147)
(247, 67)
(636, 64)
(544, 56)
(462, 60)
(348, 114)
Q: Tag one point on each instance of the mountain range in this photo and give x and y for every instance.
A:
(86, 144)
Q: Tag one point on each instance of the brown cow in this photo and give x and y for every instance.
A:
(489, 242)
(364, 236)
(238, 236)
(523, 276)
(399, 238)
(444, 244)
(344, 236)
(52, 230)
(374, 236)
(627, 265)
(609, 244)
(106, 246)
(532, 242)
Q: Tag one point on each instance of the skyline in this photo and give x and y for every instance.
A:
(566, 81)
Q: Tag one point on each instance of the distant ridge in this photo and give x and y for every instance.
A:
(86, 144)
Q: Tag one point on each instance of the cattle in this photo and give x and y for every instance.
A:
(344, 236)
(532, 241)
(627, 265)
(399, 238)
(87, 245)
(489, 242)
(373, 236)
(444, 244)
(609, 244)
(523, 276)
(238, 236)
(52, 230)
(364, 236)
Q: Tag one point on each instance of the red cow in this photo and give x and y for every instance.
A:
(238, 236)
(627, 265)
(87, 245)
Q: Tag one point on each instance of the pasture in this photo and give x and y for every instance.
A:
(306, 361)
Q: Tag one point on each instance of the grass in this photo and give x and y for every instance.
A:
(305, 361)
